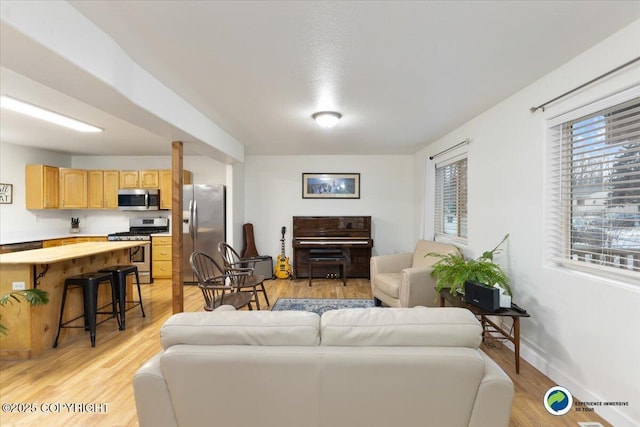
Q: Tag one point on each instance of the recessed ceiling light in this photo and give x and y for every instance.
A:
(42, 114)
(326, 119)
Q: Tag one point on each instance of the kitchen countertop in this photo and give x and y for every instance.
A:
(23, 237)
(64, 253)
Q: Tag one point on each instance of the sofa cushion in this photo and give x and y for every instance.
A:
(424, 247)
(414, 327)
(389, 283)
(268, 328)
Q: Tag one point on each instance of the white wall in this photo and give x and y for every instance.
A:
(14, 218)
(583, 331)
(274, 196)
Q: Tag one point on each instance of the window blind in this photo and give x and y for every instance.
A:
(595, 172)
(451, 200)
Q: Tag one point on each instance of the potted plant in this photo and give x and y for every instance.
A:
(452, 270)
(32, 296)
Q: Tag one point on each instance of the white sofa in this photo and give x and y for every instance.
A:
(372, 367)
(404, 279)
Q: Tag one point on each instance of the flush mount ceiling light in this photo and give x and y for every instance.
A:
(326, 119)
(42, 114)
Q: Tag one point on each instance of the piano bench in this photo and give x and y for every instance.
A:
(329, 260)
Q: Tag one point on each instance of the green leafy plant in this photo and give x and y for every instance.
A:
(452, 270)
(32, 296)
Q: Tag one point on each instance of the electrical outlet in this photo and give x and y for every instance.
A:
(18, 286)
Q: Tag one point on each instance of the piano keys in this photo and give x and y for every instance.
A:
(349, 236)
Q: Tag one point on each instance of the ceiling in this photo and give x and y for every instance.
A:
(401, 73)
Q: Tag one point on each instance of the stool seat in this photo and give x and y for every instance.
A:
(120, 273)
(89, 282)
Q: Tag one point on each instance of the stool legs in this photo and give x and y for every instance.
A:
(64, 299)
(89, 283)
(120, 274)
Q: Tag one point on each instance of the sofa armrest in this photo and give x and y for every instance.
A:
(495, 396)
(153, 401)
(417, 287)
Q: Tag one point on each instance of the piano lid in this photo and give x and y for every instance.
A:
(305, 227)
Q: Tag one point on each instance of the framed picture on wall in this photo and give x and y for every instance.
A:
(6, 194)
(330, 185)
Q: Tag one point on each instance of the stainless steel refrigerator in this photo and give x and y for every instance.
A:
(203, 225)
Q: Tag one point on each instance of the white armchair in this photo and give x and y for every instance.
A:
(404, 280)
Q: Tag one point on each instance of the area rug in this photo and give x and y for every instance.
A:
(320, 305)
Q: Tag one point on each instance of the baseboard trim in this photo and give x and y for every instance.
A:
(611, 414)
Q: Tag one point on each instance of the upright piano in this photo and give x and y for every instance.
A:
(348, 236)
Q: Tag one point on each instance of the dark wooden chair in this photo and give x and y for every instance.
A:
(216, 286)
(241, 271)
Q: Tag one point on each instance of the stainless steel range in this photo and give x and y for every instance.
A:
(141, 229)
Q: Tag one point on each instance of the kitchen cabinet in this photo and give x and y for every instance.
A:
(149, 179)
(129, 179)
(73, 188)
(161, 257)
(139, 179)
(111, 186)
(103, 189)
(166, 186)
(41, 187)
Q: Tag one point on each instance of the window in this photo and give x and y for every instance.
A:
(596, 178)
(451, 199)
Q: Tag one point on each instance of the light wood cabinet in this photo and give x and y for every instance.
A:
(139, 179)
(149, 179)
(70, 241)
(49, 187)
(161, 257)
(166, 192)
(41, 186)
(111, 186)
(129, 179)
(103, 189)
(95, 189)
(73, 188)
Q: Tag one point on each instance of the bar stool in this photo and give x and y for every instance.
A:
(120, 273)
(89, 282)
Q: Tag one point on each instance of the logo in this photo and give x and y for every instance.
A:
(558, 400)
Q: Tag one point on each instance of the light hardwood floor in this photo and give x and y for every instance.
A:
(75, 373)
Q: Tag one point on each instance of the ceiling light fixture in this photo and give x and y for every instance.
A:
(42, 114)
(326, 119)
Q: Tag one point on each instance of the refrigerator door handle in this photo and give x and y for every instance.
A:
(191, 219)
(195, 220)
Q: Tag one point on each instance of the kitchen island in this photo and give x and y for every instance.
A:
(31, 330)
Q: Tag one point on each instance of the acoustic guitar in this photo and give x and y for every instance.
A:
(283, 269)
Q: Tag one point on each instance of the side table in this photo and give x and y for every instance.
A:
(488, 326)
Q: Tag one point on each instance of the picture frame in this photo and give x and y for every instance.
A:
(330, 185)
(6, 194)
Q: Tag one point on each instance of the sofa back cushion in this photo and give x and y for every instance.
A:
(267, 328)
(405, 327)
(424, 247)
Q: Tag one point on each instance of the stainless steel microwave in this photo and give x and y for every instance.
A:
(138, 199)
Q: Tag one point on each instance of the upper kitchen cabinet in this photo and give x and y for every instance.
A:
(129, 179)
(73, 188)
(103, 189)
(166, 187)
(149, 179)
(41, 185)
(139, 179)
